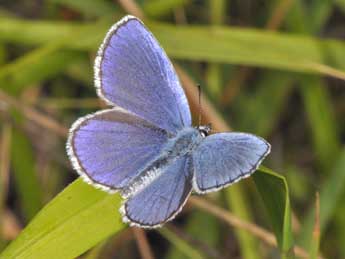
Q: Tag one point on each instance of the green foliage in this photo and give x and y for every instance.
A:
(185, 248)
(157, 8)
(322, 121)
(29, 189)
(274, 191)
(282, 97)
(330, 195)
(76, 220)
(88, 7)
(230, 45)
(209, 236)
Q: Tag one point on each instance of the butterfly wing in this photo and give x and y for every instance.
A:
(159, 201)
(224, 158)
(133, 71)
(111, 147)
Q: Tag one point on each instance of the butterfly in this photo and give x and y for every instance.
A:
(145, 146)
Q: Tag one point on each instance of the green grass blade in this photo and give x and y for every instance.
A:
(322, 121)
(76, 220)
(273, 88)
(214, 79)
(214, 70)
(323, 125)
(26, 180)
(321, 11)
(180, 244)
(340, 4)
(89, 7)
(249, 47)
(330, 195)
(35, 66)
(210, 235)
(274, 191)
(238, 201)
(315, 241)
(75, 35)
(37, 32)
(5, 151)
(216, 44)
(158, 8)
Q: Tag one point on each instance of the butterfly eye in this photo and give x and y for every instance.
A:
(203, 133)
(204, 130)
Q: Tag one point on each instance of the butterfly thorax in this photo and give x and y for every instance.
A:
(185, 141)
(182, 144)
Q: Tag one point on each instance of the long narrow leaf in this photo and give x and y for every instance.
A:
(76, 220)
(217, 44)
(180, 244)
(89, 7)
(26, 180)
(237, 201)
(330, 195)
(322, 121)
(35, 66)
(275, 194)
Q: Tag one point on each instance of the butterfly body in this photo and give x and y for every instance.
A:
(183, 144)
(145, 146)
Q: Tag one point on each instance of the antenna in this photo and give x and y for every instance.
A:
(200, 110)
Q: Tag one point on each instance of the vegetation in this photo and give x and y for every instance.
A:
(274, 68)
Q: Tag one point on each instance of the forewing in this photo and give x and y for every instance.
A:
(159, 201)
(224, 158)
(133, 71)
(111, 147)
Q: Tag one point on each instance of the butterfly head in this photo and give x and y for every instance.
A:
(204, 130)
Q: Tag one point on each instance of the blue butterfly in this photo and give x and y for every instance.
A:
(145, 146)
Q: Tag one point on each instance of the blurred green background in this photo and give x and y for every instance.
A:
(275, 68)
